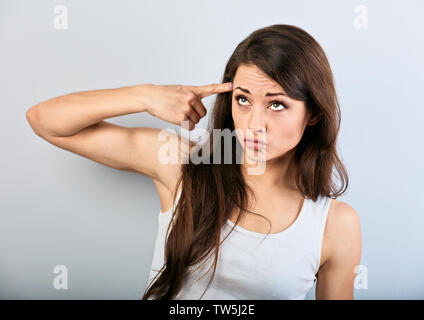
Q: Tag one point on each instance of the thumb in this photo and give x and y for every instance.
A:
(210, 89)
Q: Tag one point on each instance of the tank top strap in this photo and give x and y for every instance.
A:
(165, 217)
(312, 230)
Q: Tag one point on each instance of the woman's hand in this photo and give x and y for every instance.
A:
(176, 103)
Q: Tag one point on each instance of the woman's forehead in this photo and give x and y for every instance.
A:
(255, 81)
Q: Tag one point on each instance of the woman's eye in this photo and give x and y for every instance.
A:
(278, 103)
(280, 106)
(239, 98)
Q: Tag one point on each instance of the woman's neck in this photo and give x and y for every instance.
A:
(278, 173)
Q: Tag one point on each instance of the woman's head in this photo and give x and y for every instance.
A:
(281, 59)
(262, 109)
(275, 59)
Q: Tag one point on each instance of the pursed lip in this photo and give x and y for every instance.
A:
(255, 140)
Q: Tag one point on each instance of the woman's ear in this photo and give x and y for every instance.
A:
(313, 119)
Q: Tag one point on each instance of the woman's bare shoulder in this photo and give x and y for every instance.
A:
(342, 226)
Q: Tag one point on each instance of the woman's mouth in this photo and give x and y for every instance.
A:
(254, 144)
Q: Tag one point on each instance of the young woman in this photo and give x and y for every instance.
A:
(225, 233)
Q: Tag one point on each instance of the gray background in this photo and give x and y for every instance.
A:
(60, 208)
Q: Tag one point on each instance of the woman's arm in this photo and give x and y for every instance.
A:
(75, 122)
(66, 115)
(335, 279)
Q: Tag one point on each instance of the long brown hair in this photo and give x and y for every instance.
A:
(210, 191)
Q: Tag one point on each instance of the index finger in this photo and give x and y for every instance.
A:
(210, 89)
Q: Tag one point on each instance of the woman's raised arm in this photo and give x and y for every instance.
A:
(75, 122)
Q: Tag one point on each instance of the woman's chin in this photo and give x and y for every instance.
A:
(256, 154)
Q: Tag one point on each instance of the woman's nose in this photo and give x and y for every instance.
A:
(256, 123)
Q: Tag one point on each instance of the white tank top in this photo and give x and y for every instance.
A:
(281, 266)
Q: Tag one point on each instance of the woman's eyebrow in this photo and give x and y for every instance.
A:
(268, 94)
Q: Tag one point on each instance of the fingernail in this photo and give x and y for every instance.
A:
(230, 84)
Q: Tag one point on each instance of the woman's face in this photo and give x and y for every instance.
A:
(282, 118)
